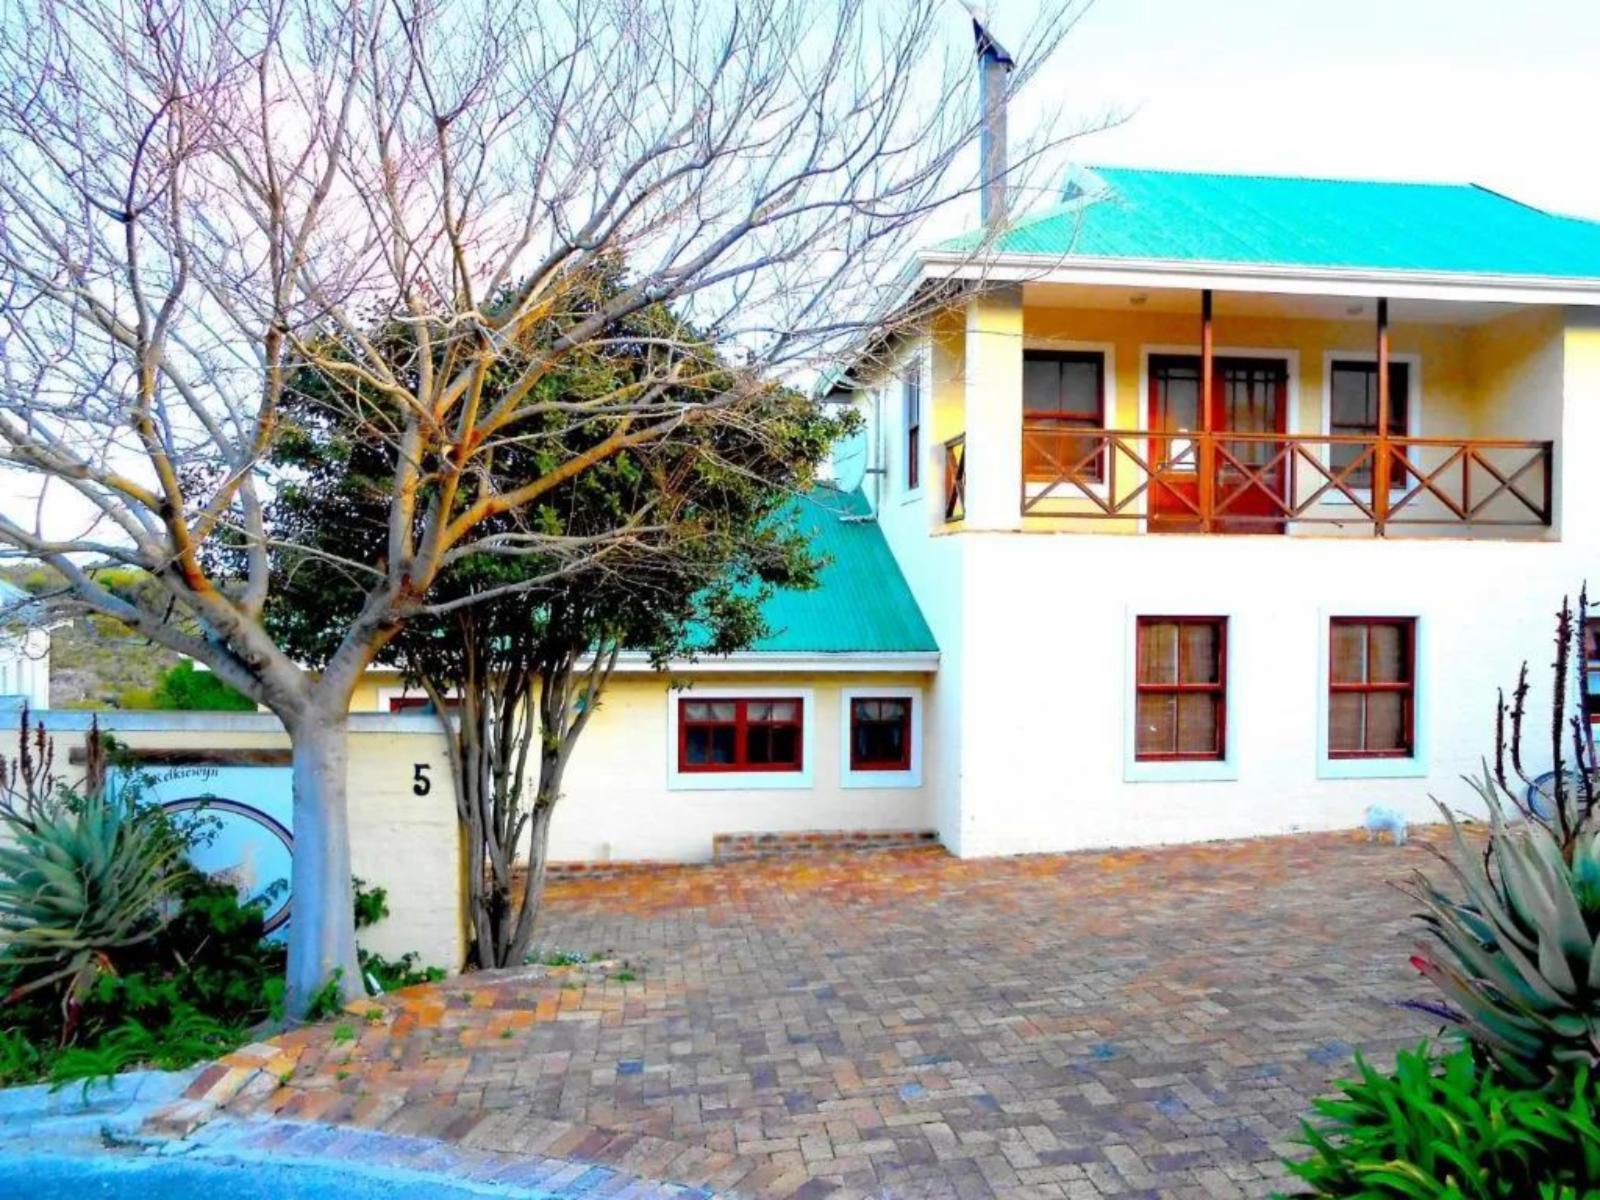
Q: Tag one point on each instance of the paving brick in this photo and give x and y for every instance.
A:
(901, 1024)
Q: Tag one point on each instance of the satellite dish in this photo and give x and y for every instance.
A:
(850, 460)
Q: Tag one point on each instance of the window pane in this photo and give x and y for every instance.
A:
(1041, 385)
(1353, 393)
(1080, 386)
(1399, 397)
(705, 710)
(1346, 724)
(782, 710)
(1177, 399)
(1347, 662)
(891, 710)
(757, 710)
(708, 745)
(1355, 398)
(1157, 731)
(1389, 657)
(1200, 658)
(879, 743)
(1197, 725)
(1386, 721)
(1158, 652)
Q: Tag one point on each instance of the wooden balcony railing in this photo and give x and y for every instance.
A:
(1243, 482)
(955, 478)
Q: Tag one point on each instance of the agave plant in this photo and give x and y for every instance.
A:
(1521, 937)
(81, 878)
(1522, 942)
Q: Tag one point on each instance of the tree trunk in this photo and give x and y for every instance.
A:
(322, 936)
(544, 808)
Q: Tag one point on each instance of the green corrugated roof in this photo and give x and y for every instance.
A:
(861, 603)
(1124, 212)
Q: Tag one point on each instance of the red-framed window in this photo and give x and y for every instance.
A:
(1372, 687)
(418, 704)
(1063, 398)
(730, 734)
(911, 384)
(1181, 689)
(880, 733)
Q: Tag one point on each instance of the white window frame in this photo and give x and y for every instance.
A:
(1413, 362)
(1137, 770)
(1108, 409)
(1414, 767)
(911, 777)
(751, 781)
(914, 367)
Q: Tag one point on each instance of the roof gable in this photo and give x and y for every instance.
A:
(1179, 216)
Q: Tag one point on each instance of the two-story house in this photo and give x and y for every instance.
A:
(1192, 506)
(1231, 501)
(1211, 506)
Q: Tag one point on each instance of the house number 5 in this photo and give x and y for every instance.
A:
(421, 785)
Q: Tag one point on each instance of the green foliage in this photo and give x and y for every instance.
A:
(190, 993)
(183, 687)
(1521, 942)
(1452, 1128)
(391, 973)
(81, 883)
(372, 903)
(1520, 930)
(188, 1036)
(326, 1001)
(21, 1059)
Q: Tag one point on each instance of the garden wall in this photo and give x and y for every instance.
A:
(402, 813)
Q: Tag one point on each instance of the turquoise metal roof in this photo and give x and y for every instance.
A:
(1129, 213)
(861, 603)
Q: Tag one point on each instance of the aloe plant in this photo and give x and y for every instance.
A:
(82, 877)
(1516, 945)
(1520, 964)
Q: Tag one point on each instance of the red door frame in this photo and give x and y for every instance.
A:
(1175, 495)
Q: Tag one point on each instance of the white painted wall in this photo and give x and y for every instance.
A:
(1048, 668)
(1045, 649)
(25, 667)
(406, 843)
(912, 522)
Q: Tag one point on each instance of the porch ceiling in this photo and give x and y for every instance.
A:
(1260, 304)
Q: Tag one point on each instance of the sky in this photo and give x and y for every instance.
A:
(1505, 93)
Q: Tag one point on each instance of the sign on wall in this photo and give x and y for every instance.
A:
(248, 822)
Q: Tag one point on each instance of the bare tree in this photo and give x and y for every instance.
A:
(200, 201)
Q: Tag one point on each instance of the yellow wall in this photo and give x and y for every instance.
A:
(405, 843)
(618, 804)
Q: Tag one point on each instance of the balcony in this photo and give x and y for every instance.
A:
(1237, 482)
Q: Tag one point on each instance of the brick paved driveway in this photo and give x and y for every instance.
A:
(1144, 1023)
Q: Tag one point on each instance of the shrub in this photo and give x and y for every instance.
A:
(1519, 934)
(184, 687)
(81, 883)
(1452, 1128)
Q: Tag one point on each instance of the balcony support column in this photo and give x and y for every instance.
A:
(1381, 461)
(993, 388)
(1206, 464)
